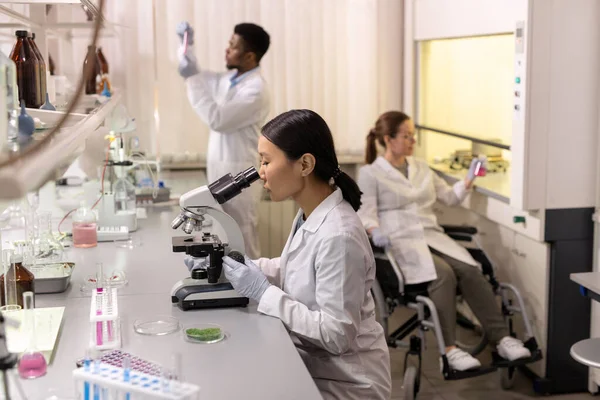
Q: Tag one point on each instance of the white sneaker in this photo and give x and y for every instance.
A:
(512, 349)
(460, 360)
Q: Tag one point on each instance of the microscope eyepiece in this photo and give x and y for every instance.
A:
(227, 187)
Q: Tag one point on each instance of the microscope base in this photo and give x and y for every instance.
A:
(197, 294)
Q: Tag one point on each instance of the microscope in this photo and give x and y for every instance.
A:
(207, 287)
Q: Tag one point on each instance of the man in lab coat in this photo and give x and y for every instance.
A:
(234, 105)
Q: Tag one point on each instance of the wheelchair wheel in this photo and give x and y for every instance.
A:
(410, 385)
(507, 377)
(470, 336)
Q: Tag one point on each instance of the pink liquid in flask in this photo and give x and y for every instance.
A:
(32, 365)
(85, 234)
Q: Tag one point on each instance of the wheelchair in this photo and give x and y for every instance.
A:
(389, 292)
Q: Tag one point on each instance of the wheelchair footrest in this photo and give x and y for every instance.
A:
(500, 362)
(454, 375)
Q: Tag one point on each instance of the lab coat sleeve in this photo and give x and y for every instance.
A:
(368, 209)
(244, 109)
(340, 268)
(449, 195)
(270, 267)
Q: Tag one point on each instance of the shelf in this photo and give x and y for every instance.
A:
(41, 2)
(462, 136)
(31, 172)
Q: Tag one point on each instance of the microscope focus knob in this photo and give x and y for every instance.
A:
(199, 274)
(237, 256)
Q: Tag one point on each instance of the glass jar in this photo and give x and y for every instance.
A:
(85, 232)
(18, 276)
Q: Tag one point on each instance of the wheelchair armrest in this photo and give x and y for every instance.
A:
(460, 229)
(394, 264)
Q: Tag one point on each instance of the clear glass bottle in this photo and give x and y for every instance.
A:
(9, 285)
(9, 93)
(42, 62)
(85, 233)
(32, 363)
(124, 196)
(23, 278)
(92, 71)
(28, 71)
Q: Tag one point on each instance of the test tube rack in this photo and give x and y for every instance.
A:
(105, 329)
(111, 380)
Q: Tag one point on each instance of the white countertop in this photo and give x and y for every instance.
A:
(494, 184)
(257, 360)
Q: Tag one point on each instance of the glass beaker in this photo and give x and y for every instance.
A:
(46, 246)
(32, 363)
(85, 232)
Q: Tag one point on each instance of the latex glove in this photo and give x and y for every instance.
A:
(471, 174)
(194, 263)
(247, 278)
(183, 27)
(188, 65)
(379, 239)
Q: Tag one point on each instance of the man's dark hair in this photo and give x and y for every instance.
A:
(256, 39)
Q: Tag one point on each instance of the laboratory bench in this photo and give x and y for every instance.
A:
(495, 184)
(256, 360)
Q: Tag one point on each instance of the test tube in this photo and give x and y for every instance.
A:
(109, 305)
(99, 295)
(126, 373)
(10, 282)
(86, 365)
(99, 278)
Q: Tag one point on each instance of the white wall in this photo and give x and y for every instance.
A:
(341, 58)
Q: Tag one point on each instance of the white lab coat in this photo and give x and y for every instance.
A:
(321, 293)
(235, 115)
(403, 209)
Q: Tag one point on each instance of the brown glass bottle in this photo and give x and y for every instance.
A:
(103, 70)
(28, 72)
(51, 66)
(91, 73)
(42, 62)
(24, 280)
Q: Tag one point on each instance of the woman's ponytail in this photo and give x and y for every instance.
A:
(349, 189)
(371, 150)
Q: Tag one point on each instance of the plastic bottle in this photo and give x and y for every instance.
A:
(28, 71)
(85, 233)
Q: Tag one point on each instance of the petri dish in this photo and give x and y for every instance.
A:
(203, 333)
(156, 325)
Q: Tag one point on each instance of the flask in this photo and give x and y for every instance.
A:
(85, 234)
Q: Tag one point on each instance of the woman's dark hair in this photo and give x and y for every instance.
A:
(387, 125)
(299, 132)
